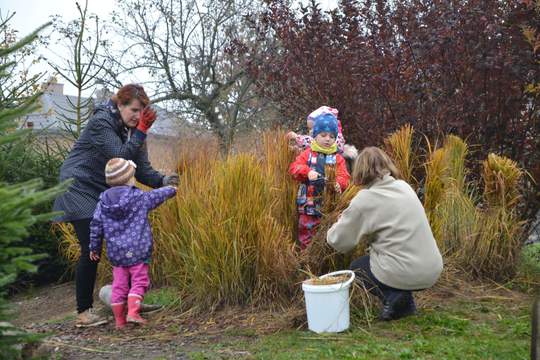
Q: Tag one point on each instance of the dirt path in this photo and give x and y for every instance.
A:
(45, 304)
(168, 335)
(51, 310)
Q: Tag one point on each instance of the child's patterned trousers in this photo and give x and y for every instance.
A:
(307, 226)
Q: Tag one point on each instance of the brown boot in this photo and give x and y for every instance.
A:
(90, 318)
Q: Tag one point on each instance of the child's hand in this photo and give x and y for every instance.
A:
(338, 188)
(313, 175)
(94, 256)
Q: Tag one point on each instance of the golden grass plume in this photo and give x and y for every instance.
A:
(399, 147)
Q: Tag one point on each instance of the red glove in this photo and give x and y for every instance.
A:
(146, 119)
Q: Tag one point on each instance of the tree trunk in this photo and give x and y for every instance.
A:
(219, 130)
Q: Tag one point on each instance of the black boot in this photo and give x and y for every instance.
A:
(408, 308)
(398, 305)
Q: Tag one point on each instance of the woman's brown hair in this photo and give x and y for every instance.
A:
(371, 164)
(127, 93)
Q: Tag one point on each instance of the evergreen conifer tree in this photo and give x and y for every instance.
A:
(16, 203)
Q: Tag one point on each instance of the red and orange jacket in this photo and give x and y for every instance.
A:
(308, 199)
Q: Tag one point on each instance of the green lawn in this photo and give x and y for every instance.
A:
(462, 330)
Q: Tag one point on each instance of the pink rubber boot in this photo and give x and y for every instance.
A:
(134, 307)
(119, 311)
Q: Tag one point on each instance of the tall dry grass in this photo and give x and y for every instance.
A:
(497, 247)
(228, 237)
(456, 151)
(399, 147)
(434, 186)
(449, 199)
(501, 181)
(479, 231)
(226, 230)
(276, 159)
(454, 223)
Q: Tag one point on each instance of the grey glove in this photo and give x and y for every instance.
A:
(171, 180)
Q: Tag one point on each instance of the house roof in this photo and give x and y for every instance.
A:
(55, 106)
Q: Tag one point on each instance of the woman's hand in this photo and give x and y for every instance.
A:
(313, 175)
(171, 180)
(338, 188)
(146, 119)
(94, 256)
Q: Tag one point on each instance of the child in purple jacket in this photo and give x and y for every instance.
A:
(121, 217)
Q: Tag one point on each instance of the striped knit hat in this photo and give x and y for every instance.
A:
(119, 171)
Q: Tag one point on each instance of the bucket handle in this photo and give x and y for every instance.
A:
(341, 272)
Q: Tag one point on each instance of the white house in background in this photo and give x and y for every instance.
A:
(54, 103)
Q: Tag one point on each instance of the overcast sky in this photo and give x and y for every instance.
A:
(32, 13)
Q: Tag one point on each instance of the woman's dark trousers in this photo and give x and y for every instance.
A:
(396, 303)
(85, 275)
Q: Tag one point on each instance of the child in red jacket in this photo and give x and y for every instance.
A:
(302, 142)
(309, 168)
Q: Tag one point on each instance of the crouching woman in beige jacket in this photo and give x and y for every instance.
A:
(403, 254)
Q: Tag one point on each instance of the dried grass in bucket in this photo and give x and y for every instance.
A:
(328, 280)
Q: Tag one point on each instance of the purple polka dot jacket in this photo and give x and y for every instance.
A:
(121, 218)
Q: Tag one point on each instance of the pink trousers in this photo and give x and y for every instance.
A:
(129, 281)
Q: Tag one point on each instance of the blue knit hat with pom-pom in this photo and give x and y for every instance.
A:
(325, 123)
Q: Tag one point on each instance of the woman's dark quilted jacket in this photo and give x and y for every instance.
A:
(104, 137)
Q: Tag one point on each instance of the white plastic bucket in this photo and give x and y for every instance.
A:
(327, 306)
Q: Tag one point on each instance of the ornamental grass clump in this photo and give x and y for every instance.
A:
(496, 249)
(501, 177)
(219, 241)
(399, 147)
(451, 208)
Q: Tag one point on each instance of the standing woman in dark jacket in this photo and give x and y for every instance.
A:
(118, 128)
